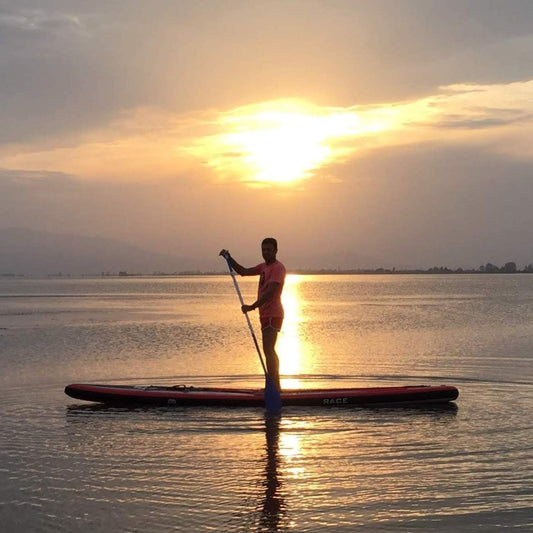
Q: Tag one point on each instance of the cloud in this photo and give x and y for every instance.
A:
(498, 118)
(416, 205)
(282, 139)
(436, 203)
(38, 20)
(69, 65)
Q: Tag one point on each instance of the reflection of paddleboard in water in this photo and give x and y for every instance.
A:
(190, 396)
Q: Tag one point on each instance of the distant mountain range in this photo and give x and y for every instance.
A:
(37, 253)
(29, 252)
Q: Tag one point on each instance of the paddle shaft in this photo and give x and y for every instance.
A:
(232, 272)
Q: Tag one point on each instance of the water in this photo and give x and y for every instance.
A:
(73, 466)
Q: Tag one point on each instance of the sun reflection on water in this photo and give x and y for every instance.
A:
(291, 348)
(289, 445)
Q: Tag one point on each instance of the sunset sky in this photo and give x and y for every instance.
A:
(360, 134)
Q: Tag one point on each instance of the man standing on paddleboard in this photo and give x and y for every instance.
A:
(271, 280)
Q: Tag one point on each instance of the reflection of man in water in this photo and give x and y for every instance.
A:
(273, 505)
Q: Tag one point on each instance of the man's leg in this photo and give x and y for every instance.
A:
(270, 336)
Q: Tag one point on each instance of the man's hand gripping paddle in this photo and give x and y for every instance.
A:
(272, 395)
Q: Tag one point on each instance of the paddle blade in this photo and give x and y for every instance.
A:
(272, 396)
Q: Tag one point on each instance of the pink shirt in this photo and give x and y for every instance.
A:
(269, 274)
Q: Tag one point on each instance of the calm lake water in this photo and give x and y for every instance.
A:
(66, 465)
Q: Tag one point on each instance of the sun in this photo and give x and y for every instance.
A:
(277, 145)
(283, 141)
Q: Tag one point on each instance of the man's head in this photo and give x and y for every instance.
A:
(269, 249)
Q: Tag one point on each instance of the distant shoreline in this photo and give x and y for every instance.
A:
(303, 272)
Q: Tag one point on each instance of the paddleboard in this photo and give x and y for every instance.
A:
(182, 395)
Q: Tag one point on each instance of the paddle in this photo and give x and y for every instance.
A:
(272, 394)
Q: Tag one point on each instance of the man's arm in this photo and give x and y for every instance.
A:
(269, 292)
(238, 268)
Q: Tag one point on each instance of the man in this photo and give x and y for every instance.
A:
(272, 278)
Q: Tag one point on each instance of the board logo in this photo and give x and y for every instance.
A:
(334, 401)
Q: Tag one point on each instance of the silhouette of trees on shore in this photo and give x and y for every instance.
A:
(489, 268)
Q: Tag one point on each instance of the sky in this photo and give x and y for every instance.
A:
(359, 134)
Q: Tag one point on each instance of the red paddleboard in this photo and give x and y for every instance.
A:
(190, 396)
